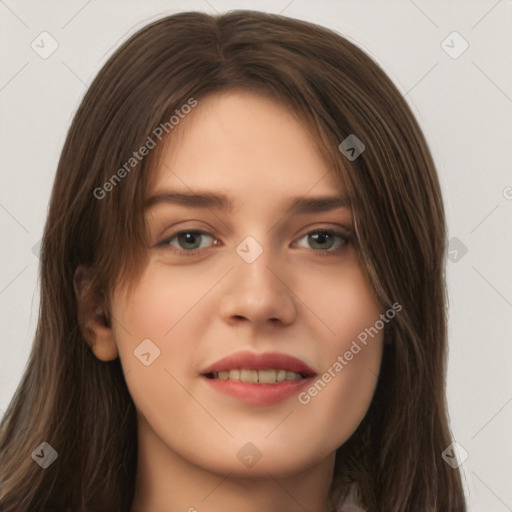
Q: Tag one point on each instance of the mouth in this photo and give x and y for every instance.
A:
(266, 376)
(266, 368)
(259, 379)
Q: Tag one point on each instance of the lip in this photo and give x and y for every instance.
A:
(254, 393)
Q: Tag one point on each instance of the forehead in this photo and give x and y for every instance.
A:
(246, 145)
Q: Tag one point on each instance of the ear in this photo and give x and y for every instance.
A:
(93, 317)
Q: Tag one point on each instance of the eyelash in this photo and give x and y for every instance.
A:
(345, 236)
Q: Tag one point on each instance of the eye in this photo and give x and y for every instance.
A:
(188, 241)
(324, 240)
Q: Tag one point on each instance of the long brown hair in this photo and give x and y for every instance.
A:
(81, 406)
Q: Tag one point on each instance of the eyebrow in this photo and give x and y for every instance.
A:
(217, 201)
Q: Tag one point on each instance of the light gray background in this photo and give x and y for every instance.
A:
(463, 105)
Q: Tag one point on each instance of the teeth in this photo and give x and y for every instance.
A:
(249, 375)
(234, 375)
(269, 376)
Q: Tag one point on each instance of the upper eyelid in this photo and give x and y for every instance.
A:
(309, 230)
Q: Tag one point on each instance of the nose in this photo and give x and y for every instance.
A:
(258, 293)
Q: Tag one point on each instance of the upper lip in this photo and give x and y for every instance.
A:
(255, 361)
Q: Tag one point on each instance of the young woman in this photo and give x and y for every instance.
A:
(242, 287)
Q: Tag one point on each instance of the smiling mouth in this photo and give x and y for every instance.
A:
(268, 376)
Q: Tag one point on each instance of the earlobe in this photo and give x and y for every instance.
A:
(102, 342)
(93, 319)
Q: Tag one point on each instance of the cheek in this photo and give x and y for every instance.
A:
(342, 392)
(344, 303)
(159, 303)
(150, 326)
(338, 398)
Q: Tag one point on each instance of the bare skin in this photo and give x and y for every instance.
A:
(198, 309)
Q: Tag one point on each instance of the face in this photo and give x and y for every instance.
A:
(242, 343)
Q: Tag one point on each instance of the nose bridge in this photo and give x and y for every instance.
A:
(255, 261)
(263, 254)
(257, 291)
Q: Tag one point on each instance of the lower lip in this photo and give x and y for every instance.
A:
(259, 394)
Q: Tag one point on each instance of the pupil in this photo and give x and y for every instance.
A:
(320, 237)
(187, 238)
